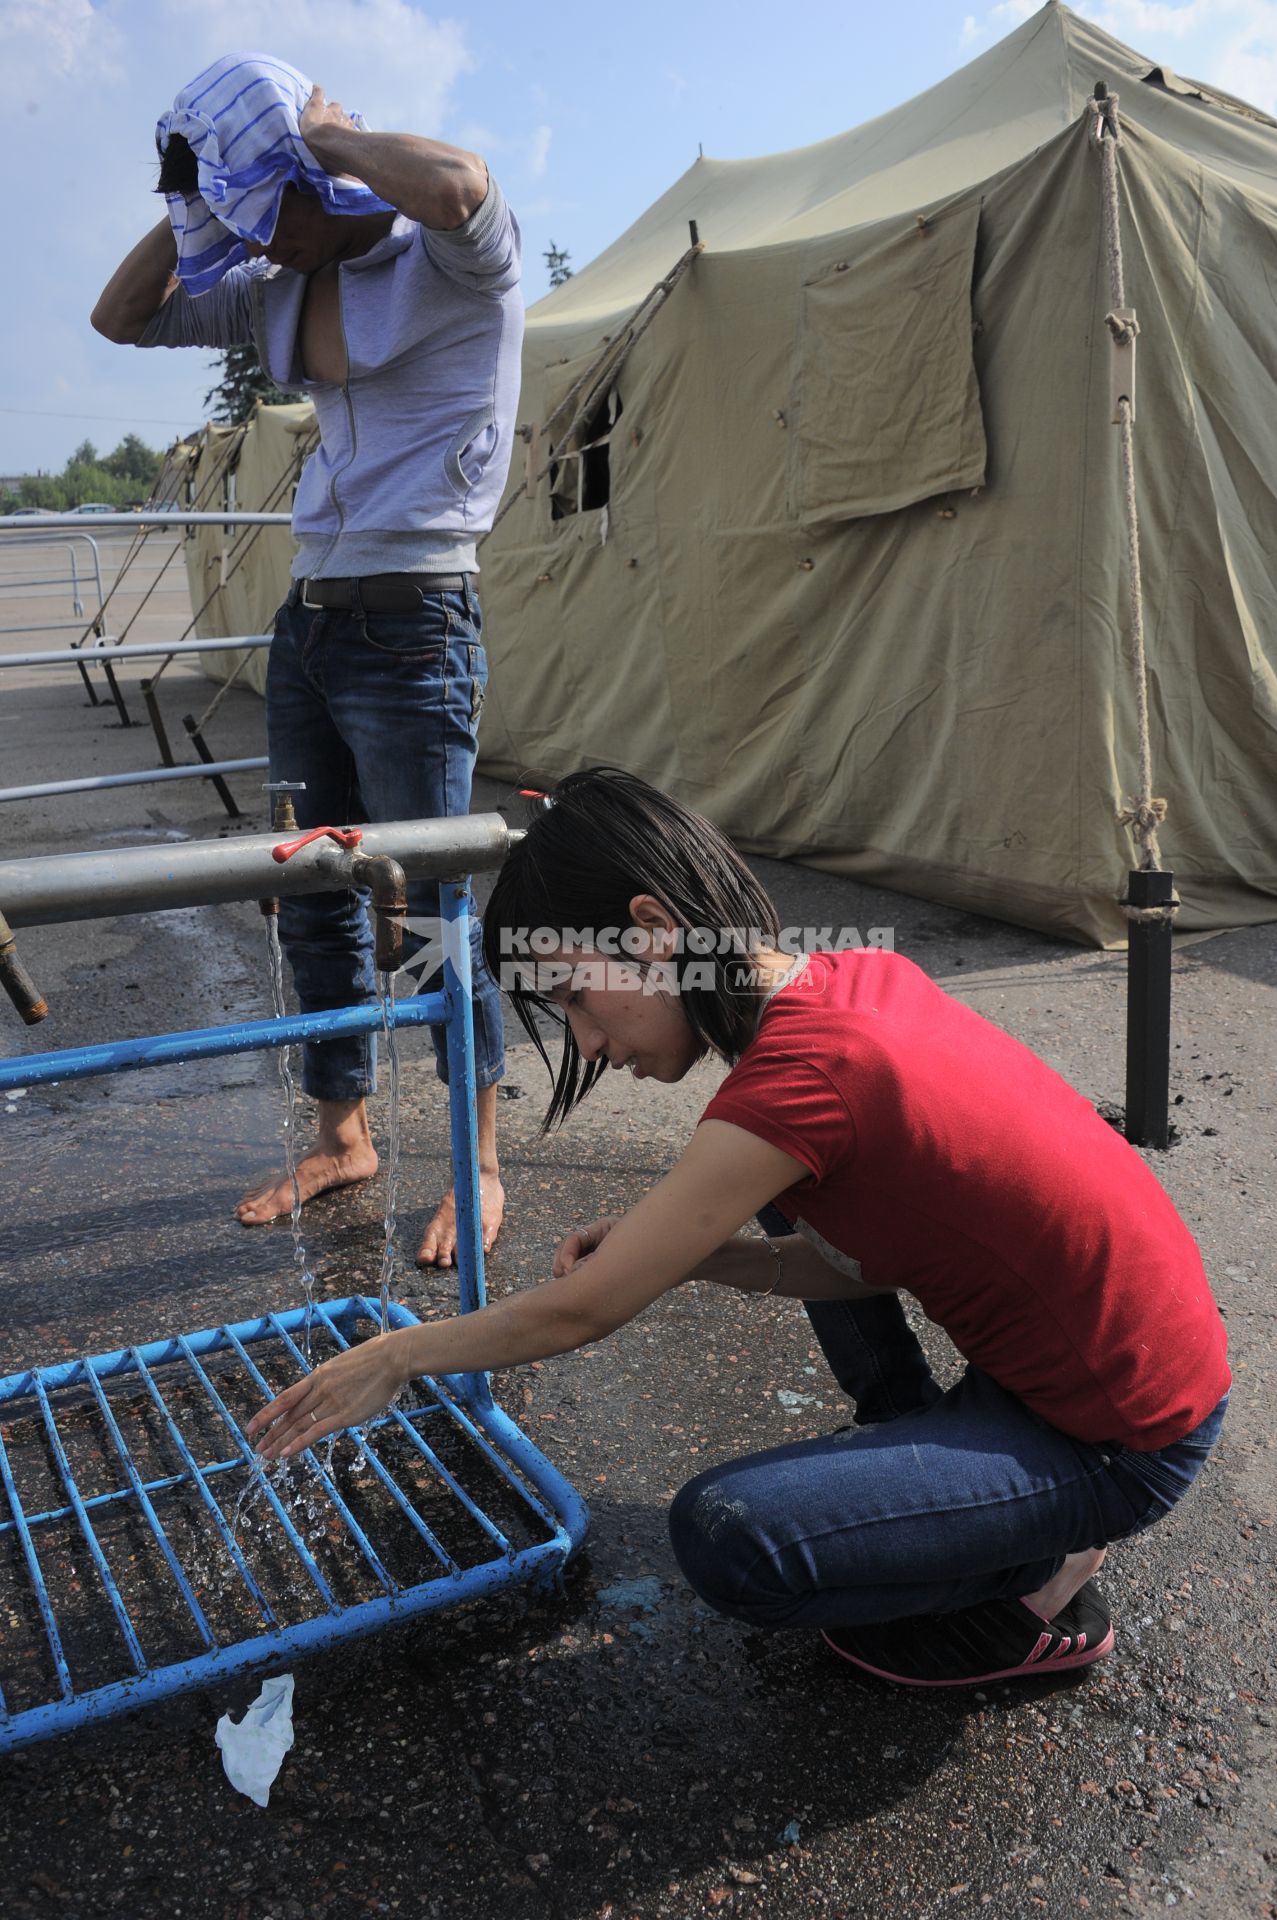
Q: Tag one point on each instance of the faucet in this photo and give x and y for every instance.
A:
(389, 887)
(377, 871)
(283, 820)
(17, 982)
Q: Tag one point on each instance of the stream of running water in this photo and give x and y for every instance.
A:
(279, 1477)
(290, 1127)
(386, 995)
(255, 1485)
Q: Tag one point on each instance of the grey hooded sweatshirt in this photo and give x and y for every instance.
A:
(415, 445)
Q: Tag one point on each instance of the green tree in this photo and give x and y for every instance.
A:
(45, 490)
(133, 460)
(242, 385)
(120, 478)
(556, 259)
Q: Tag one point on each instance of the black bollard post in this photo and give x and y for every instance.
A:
(1148, 1011)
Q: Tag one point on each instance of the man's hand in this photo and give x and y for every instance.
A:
(437, 185)
(580, 1245)
(320, 115)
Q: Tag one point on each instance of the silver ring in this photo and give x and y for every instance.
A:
(314, 1419)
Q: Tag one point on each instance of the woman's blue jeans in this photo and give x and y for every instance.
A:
(942, 1501)
(378, 713)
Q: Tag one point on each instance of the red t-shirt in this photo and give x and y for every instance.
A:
(949, 1160)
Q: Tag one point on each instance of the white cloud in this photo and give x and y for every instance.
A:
(996, 22)
(1155, 19)
(43, 41)
(50, 43)
(539, 151)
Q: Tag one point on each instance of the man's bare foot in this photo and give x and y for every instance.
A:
(439, 1242)
(342, 1154)
(1076, 1571)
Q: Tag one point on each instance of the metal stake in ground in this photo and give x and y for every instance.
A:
(1148, 1008)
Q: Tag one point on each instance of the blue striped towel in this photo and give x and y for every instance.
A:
(241, 119)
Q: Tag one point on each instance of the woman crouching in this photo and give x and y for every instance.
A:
(893, 1141)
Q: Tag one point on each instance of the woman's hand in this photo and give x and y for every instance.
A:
(346, 1391)
(580, 1245)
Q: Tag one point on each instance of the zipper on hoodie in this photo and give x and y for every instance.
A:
(333, 500)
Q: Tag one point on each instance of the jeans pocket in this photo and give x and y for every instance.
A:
(420, 636)
(477, 661)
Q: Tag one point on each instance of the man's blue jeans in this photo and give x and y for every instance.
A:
(942, 1501)
(378, 713)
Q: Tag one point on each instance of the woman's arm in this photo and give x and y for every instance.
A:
(789, 1267)
(429, 181)
(750, 1264)
(720, 1182)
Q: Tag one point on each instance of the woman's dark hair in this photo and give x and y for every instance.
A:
(602, 837)
(179, 172)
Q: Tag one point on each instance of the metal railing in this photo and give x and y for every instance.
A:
(106, 652)
(146, 517)
(30, 536)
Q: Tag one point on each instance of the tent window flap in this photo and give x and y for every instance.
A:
(888, 404)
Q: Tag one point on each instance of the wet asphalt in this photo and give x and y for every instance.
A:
(611, 1749)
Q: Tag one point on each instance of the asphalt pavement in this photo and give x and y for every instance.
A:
(611, 1748)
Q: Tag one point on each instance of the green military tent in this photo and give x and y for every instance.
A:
(834, 547)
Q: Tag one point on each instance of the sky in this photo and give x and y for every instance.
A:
(584, 112)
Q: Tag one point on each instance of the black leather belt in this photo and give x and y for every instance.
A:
(379, 592)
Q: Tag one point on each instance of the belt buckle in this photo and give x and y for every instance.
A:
(315, 606)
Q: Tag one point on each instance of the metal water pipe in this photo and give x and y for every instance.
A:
(17, 982)
(61, 887)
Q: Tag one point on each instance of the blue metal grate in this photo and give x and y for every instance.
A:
(122, 1576)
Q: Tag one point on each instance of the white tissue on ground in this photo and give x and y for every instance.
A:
(795, 1402)
(253, 1749)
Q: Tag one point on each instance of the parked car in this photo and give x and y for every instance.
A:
(95, 506)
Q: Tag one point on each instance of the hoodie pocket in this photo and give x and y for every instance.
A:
(471, 449)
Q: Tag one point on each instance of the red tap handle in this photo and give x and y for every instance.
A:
(348, 837)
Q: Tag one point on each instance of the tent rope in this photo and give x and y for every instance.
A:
(234, 557)
(1143, 813)
(306, 444)
(602, 370)
(139, 541)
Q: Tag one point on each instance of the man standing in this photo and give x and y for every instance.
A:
(379, 273)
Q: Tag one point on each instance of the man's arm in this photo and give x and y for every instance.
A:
(138, 288)
(427, 180)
